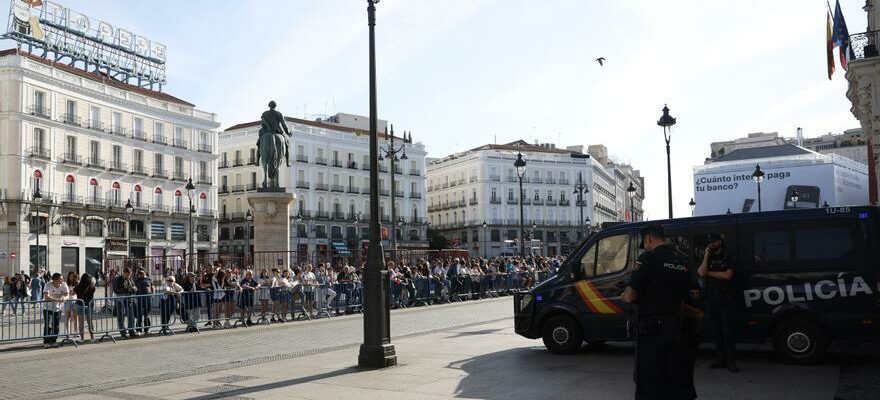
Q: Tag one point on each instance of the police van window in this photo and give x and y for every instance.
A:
(608, 256)
(772, 246)
(831, 243)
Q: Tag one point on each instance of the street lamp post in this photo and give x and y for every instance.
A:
(693, 205)
(38, 199)
(376, 350)
(189, 194)
(581, 188)
(758, 176)
(631, 191)
(391, 152)
(249, 217)
(520, 166)
(128, 210)
(485, 251)
(297, 221)
(666, 121)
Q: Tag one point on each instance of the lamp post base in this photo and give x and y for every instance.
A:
(377, 356)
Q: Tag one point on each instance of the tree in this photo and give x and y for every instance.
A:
(436, 241)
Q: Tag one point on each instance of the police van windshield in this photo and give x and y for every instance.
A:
(608, 255)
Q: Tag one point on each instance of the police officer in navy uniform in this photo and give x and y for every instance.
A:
(717, 270)
(658, 287)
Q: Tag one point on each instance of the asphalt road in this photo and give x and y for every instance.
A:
(105, 369)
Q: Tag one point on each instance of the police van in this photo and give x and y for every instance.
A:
(803, 278)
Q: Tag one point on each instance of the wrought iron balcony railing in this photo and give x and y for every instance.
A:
(864, 45)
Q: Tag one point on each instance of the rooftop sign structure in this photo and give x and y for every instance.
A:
(51, 30)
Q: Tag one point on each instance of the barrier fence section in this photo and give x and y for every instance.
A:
(164, 313)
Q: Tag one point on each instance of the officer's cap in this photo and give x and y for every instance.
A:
(714, 237)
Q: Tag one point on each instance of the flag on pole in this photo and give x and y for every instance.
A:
(841, 35)
(829, 45)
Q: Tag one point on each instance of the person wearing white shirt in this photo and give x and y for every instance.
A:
(54, 295)
(170, 294)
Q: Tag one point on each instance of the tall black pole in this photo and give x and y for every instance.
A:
(391, 157)
(39, 229)
(759, 197)
(377, 350)
(668, 172)
(522, 238)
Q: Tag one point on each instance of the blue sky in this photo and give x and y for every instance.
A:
(461, 73)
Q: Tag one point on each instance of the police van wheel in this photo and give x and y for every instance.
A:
(562, 335)
(800, 341)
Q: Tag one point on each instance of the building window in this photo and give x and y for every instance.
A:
(39, 140)
(94, 152)
(38, 180)
(116, 122)
(69, 187)
(138, 127)
(157, 198)
(40, 103)
(70, 226)
(157, 231)
(94, 191)
(137, 195)
(115, 198)
(71, 147)
(117, 157)
(94, 227)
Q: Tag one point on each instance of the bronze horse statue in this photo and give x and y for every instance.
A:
(272, 146)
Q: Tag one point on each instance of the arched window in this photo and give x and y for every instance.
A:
(137, 195)
(158, 198)
(178, 201)
(115, 198)
(70, 188)
(38, 180)
(94, 191)
(203, 201)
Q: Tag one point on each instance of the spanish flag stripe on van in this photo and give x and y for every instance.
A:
(594, 300)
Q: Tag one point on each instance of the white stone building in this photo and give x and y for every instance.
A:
(329, 172)
(480, 185)
(90, 144)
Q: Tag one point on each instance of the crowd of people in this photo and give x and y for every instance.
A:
(222, 296)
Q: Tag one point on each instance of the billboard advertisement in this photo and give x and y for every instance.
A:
(717, 190)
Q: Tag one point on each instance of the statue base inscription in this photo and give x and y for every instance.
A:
(271, 227)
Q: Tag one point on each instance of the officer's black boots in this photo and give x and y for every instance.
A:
(731, 365)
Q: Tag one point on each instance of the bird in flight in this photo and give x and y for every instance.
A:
(601, 61)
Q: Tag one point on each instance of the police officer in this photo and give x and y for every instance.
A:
(717, 270)
(658, 287)
(691, 335)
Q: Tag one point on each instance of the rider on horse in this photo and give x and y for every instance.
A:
(272, 123)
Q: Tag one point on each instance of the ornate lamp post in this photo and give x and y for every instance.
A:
(249, 217)
(631, 191)
(376, 350)
(189, 193)
(758, 176)
(580, 189)
(693, 205)
(128, 210)
(38, 199)
(666, 121)
(520, 166)
(485, 251)
(391, 152)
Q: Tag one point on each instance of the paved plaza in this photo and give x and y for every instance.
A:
(464, 350)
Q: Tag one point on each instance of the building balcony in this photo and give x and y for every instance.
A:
(353, 190)
(383, 192)
(453, 184)
(140, 170)
(178, 176)
(205, 180)
(237, 162)
(160, 173)
(118, 167)
(205, 148)
(302, 158)
(398, 193)
(550, 202)
(460, 203)
(94, 125)
(322, 186)
(302, 185)
(383, 168)
(71, 119)
(864, 45)
(511, 179)
(251, 186)
(415, 195)
(365, 190)
(322, 214)
(204, 212)
(472, 202)
(71, 158)
(70, 199)
(252, 161)
(320, 161)
(223, 164)
(118, 131)
(527, 202)
(40, 111)
(563, 181)
(339, 215)
(495, 200)
(564, 202)
(365, 166)
(495, 178)
(223, 189)
(512, 201)
(137, 235)
(237, 188)
(160, 140)
(40, 152)
(182, 144)
(337, 163)
(398, 170)
(415, 172)
(95, 163)
(139, 135)
(337, 188)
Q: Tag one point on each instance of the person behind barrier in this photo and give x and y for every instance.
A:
(190, 302)
(85, 292)
(124, 287)
(262, 294)
(55, 294)
(230, 285)
(218, 295)
(248, 287)
(206, 287)
(143, 301)
(171, 293)
(7, 296)
(717, 270)
(658, 287)
(37, 285)
(325, 279)
(309, 279)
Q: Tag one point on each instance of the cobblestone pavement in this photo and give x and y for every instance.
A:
(465, 350)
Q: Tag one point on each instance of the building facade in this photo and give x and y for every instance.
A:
(851, 144)
(89, 145)
(473, 200)
(329, 172)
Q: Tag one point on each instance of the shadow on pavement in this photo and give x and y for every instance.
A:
(278, 385)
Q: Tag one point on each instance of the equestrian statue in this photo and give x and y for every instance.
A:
(272, 146)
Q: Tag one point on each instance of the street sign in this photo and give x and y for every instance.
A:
(12, 255)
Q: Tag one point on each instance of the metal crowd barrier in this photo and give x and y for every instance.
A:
(34, 320)
(132, 315)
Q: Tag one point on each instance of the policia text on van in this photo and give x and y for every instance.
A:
(804, 278)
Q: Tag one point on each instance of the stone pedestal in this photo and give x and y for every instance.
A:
(271, 227)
